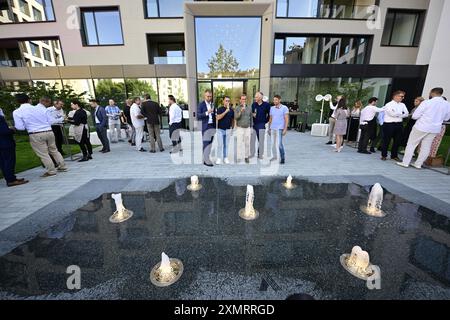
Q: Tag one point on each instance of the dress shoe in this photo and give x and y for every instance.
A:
(208, 164)
(373, 150)
(152, 151)
(162, 150)
(20, 179)
(364, 152)
(83, 160)
(329, 143)
(90, 157)
(17, 183)
(133, 144)
(106, 151)
(396, 159)
(282, 161)
(142, 150)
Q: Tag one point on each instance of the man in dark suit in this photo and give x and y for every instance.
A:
(8, 154)
(152, 111)
(206, 113)
(101, 124)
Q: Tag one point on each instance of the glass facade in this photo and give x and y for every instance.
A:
(403, 28)
(293, 49)
(304, 90)
(329, 9)
(228, 47)
(164, 8)
(101, 27)
(22, 11)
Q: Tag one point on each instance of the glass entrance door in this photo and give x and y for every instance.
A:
(233, 89)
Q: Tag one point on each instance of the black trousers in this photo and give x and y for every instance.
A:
(392, 131)
(8, 163)
(85, 144)
(368, 132)
(59, 137)
(174, 133)
(103, 136)
(293, 122)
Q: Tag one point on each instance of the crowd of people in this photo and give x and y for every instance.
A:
(250, 122)
(386, 124)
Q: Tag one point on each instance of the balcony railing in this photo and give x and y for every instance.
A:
(169, 60)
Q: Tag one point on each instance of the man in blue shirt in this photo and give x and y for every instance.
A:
(278, 122)
(225, 116)
(113, 113)
(261, 115)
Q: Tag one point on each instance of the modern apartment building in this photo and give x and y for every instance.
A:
(296, 48)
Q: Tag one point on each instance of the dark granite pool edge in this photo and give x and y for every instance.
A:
(56, 211)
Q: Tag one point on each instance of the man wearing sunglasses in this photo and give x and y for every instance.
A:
(395, 111)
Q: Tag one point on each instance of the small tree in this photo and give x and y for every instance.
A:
(222, 61)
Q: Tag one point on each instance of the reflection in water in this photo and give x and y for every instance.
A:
(297, 240)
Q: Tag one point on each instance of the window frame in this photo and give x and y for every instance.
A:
(146, 16)
(368, 40)
(83, 10)
(26, 22)
(330, 17)
(422, 14)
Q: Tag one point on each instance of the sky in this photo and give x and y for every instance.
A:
(242, 35)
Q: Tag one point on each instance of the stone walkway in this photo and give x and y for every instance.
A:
(306, 156)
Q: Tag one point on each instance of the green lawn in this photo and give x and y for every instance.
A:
(27, 159)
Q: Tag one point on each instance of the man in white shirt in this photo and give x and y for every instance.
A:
(429, 115)
(37, 121)
(138, 123)
(57, 112)
(175, 118)
(332, 119)
(394, 113)
(368, 124)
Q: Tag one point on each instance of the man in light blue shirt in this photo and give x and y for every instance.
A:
(278, 124)
(113, 113)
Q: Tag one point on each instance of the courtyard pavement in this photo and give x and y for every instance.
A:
(306, 156)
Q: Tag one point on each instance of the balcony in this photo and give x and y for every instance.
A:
(169, 60)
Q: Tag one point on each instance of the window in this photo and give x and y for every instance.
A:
(24, 7)
(101, 26)
(35, 51)
(333, 9)
(164, 8)
(403, 28)
(290, 49)
(47, 54)
(37, 15)
(227, 55)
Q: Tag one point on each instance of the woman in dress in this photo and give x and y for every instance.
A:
(81, 130)
(340, 129)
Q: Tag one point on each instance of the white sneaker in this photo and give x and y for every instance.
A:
(219, 161)
(416, 166)
(401, 164)
(226, 161)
